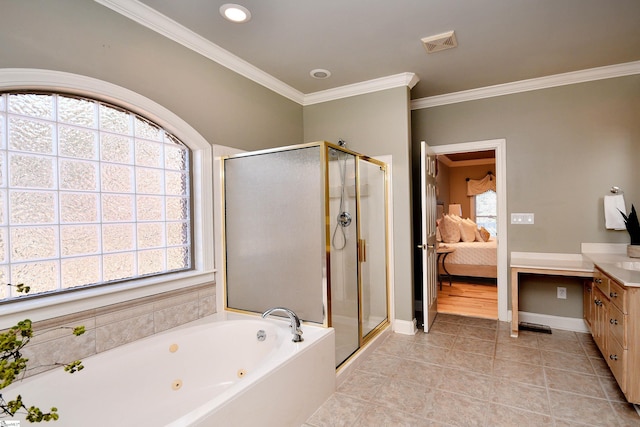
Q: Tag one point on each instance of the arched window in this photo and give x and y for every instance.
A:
(90, 194)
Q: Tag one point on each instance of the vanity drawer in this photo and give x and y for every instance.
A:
(617, 360)
(617, 325)
(618, 295)
(601, 281)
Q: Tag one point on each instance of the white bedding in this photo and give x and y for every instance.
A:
(473, 253)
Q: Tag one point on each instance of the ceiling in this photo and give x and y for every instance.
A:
(499, 41)
(474, 158)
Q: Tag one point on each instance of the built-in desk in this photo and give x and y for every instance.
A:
(571, 265)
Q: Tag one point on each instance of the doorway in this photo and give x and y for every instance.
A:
(499, 148)
(467, 198)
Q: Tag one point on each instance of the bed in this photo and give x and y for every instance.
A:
(472, 259)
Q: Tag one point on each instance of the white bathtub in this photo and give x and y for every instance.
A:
(212, 372)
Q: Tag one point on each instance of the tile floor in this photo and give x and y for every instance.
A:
(469, 372)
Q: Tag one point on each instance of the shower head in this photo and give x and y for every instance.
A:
(342, 143)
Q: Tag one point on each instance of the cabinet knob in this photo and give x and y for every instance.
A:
(613, 356)
(613, 321)
(597, 302)
(598, 280)
(613, 294)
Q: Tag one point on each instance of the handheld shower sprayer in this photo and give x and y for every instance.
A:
(343, 220)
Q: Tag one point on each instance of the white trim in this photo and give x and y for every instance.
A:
(388, 159)
(600, 73)
(554, 322)
(500, 147)
(202, 170)
(383, 83)
(405, 327)
(154, 20)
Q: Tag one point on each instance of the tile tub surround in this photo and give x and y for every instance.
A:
(469, 372)
(115, 325)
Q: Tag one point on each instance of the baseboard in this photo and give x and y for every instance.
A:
(555, 322)
(405, 327)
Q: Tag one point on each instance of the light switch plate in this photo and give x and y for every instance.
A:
(522, 218)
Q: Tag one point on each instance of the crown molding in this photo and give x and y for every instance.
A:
(592, 74)
(150, 18)
(369, 86)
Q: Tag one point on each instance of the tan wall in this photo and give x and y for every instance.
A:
(377, 124)
(86, 38)
(565, 148)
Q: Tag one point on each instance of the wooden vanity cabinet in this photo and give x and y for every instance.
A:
(587, 302)
(613, 316)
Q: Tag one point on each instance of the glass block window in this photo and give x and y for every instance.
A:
(90, 194)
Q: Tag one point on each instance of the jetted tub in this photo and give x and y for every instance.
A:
(211, 372)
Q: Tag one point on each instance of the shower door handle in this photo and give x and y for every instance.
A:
(362, 250)
(425, 246)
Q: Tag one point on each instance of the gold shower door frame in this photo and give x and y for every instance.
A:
(361, 247)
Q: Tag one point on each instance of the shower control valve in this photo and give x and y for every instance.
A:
(344, 219)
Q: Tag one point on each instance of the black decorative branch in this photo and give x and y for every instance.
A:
(632, 224)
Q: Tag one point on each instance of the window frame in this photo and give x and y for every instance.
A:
(494, 217)
(203, 268)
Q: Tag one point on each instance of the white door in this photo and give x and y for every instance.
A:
(428, 243)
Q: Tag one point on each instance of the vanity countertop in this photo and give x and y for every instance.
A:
(614, 265)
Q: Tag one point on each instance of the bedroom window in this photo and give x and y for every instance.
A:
(90, 194)
(486, 211)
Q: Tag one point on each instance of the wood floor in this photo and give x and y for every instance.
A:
(466, 298)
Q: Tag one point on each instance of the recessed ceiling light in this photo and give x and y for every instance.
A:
(320, 73)
(235, 13)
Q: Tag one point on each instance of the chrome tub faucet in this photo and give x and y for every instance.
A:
(295, 321)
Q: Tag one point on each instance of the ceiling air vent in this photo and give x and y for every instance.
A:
(440, 42)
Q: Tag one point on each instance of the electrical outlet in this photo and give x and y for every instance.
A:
(562, 293)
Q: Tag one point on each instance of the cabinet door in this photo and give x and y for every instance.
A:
(616, 357)
(600, 312)
(587, 303)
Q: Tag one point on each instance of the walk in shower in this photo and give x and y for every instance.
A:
(306, 228)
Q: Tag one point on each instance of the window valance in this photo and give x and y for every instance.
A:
(479, 186)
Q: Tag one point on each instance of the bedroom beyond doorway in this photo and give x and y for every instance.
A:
(469, 297)
(467, 233)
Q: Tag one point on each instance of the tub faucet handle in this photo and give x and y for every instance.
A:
(293, 317)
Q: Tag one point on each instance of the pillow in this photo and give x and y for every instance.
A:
(467, 230)
(449, 230)
(485, 234)
(478, 235)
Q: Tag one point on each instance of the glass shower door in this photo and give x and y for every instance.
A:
(343, 260)
(372, 244)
